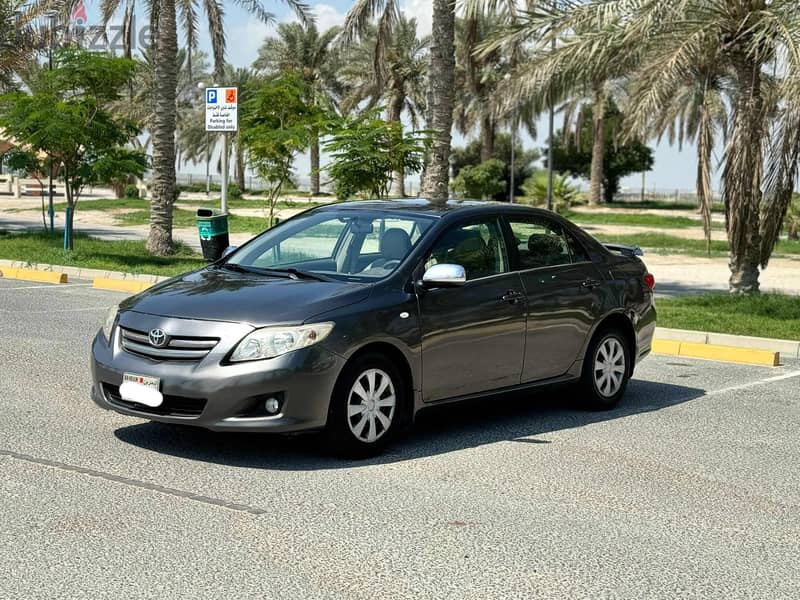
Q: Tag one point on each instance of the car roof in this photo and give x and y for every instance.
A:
(426, 207)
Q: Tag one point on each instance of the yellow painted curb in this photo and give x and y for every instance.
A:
(120, 285)
(33, 275)
(720, 353)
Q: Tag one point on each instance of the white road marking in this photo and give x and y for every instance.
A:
(751, 384)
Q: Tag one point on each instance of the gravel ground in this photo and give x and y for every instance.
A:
(690, 489)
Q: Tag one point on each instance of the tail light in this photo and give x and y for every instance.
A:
(650, 281)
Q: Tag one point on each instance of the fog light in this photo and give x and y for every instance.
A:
(272, 405)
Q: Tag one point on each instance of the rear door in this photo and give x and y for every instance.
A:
(563, 289)
(473, 336)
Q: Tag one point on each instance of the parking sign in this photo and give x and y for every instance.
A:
(222, 109)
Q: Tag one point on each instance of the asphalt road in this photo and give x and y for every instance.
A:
(689, 490)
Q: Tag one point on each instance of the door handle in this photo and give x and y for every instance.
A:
(590, 283)
(511, 296)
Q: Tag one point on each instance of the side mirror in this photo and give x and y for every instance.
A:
(444, 276)
(228, 250)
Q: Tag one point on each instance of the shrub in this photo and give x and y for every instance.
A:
(565, 195)
(131, 191)
(234, 191)
(481, 181)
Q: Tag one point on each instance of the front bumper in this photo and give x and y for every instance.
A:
(221, 397)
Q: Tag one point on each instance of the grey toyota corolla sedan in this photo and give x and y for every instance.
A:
(352, 317)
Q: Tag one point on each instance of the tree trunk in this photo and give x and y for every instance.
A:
(314, 152)
(598, 144)
(610, 189)
(705, 146)
(395, 110)
(441, 84)
(742, 178)
(487, 138)
(240, 165)
(165, 46)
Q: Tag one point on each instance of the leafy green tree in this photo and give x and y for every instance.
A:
(278, 124)
(68, 119)
(470, 155)
(480, 181)
(391, 71)
(305, 50)
(621, 157)
(366, 150)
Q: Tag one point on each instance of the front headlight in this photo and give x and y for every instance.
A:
(108, 324)
(270, 342)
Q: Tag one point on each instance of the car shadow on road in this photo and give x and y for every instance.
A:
(519, 418)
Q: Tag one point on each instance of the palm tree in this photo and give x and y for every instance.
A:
(399, 78)
(478, 77)
(164, 16)
(695, 112)
(305, 50)
(441, 83)
(441, 77)
(659, 42)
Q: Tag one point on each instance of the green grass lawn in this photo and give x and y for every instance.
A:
(125, 256)
(632, 219)
(766, 315)
(717, 207)
(188, 218)
(669, 244)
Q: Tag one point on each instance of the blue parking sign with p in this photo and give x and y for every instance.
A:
(211, 96)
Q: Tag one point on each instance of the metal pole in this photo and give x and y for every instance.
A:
(224, 203)
(208, 165)
(51, 210)
(550, 143)
(513, 161)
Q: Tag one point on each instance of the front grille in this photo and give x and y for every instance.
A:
(177, 348)
(174, 406)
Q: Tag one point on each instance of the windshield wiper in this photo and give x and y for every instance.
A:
(254, 270)
(288, 272)
(298, 274)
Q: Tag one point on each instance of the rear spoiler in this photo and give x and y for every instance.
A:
(629, 251)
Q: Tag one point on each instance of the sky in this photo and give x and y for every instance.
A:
(673, 170)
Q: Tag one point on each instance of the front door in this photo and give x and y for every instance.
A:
(473, 336)
(563, 290)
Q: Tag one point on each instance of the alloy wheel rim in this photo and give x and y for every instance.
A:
(371, 405)
(609, 367)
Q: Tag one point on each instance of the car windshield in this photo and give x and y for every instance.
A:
(347, 244)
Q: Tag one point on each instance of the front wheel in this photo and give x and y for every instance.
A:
(365, 407)
(606, 370)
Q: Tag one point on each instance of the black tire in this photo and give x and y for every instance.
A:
(599, 392)
(342, 429)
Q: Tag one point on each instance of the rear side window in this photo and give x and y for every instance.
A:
(543, 243)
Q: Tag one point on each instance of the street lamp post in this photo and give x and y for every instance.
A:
(51, 16)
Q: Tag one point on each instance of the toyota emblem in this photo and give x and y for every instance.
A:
(158, 339)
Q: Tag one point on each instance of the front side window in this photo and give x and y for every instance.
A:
(357, 245)
(479, 247)
(542, 243)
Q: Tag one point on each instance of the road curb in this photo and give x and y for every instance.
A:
(102, 279)
(787, 348)
(120, 285)
(748, 356)
(33, 275)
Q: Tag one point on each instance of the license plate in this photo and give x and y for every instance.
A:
(141, 389)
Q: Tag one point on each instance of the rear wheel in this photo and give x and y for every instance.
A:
(606, 370)
(365, 407)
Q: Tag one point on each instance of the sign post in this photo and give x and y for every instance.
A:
(222, 114)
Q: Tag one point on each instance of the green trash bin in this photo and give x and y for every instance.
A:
(213, 229)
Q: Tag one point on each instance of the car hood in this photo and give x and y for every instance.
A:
(218, 295)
